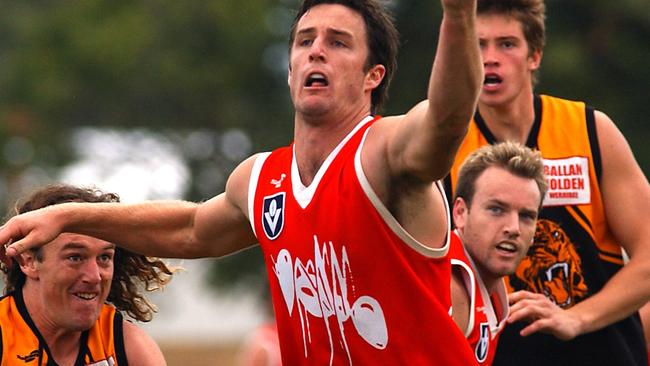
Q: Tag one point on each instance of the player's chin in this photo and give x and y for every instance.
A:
(505, 268)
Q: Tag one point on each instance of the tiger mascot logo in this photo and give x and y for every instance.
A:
(552, 267)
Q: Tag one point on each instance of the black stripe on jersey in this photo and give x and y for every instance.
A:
(22, 310)
(480, 123)
(531, 142)
(582, 216)
(610, 256)
(83, 349)
(593, 141)
(118, 335)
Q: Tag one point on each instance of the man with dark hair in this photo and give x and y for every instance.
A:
(498, 197)
(578, 300)
(63, 300)
(351, 217)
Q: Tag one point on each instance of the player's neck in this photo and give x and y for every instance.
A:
(510, 121)
(64, 350)
(315, 137)
(62, 343)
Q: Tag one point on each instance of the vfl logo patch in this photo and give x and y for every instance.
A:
(483, 343)
(273, 215)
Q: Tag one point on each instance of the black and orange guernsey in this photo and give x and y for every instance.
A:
(23, 344)
(574, 253)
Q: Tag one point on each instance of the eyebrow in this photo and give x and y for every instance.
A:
(74, 245)
(501, 38)
(506, 205)
(530, 212)
(496, 201)
(335, 31)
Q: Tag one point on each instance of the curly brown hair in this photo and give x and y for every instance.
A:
(132, 272)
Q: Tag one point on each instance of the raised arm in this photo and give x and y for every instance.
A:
(176, 229)
(424, 142)
(626, 195)
(403, 155)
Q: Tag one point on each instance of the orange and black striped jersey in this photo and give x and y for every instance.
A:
(23, 344)
(574, 253)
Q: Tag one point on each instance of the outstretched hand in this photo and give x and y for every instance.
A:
(543, 315)
(29, 230)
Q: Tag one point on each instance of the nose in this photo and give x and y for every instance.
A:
(317, 51)
(489, 55)
(511, 227)
(91, 273)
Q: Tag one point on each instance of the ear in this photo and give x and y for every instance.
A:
(460, 212)
(535, 60)
(374, 76)
(289, 76)
(27, 262)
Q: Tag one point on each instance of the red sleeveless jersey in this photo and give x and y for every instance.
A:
(486, 318)
(349, 285)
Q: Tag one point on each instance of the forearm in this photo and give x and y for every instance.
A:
(156, 228)
(428, 137)
(623, 295)
(457, 73)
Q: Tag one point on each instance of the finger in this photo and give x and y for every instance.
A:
(15, 248)
(532, 311)
(528, 304)
(520, 295)
(532, 328)
(6, 234)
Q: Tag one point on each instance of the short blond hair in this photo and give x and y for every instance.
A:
(515, 158)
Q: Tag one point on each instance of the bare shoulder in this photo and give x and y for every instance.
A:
(140, 348)
(416, 203)
(238, 182)
(617, 156)
(624, 187)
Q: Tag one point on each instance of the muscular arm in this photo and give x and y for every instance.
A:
(424, 143)
(159, 228)
(403, 155)
(626, 196)
(140, 348)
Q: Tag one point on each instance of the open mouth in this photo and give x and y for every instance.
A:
(316, 79)
(86, 295)
(492, 80)
(507, 247)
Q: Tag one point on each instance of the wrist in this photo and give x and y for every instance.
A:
(584, 322)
